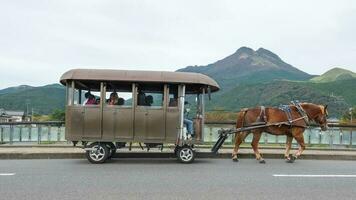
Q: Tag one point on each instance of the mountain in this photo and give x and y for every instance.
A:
(15, 89)
(251, 78)
(334, 74)
(247, 78)
(43, 99)
(280, 92)
(248, 66)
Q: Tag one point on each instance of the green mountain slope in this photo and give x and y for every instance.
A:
(280, 92)
(43, 100)
(15, 89)
(248, 78)
(247, 66)
(334, 74)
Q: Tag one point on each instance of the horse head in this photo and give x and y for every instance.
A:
(317, 113)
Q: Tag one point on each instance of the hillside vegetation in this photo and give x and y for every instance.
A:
(335, 74)
(248, 78)
(43, 100)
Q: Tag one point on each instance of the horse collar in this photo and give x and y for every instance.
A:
(302, 113)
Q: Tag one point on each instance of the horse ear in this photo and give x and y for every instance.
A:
(326, 106)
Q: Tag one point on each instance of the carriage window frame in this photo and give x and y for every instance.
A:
(118, 90)
(169, 89)
(161, 92)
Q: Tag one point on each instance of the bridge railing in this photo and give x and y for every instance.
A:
(338, 135)
(32, 132)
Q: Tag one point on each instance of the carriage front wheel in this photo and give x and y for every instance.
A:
(98, 154)
(185, 154)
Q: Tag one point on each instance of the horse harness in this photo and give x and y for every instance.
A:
(262, 118)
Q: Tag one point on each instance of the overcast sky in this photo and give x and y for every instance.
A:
(40, 40)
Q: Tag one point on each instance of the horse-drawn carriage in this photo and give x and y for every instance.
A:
(148, 107)
(122, 106)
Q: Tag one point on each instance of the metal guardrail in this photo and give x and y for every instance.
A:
(39, 132)
(53, 132)
(337, 135)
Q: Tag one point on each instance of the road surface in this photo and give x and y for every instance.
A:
(167, 179)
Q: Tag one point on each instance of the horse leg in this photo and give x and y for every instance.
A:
(288, 147)
(239, 138)
(256, 138)
(299, 137)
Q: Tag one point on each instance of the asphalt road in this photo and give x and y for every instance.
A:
(167, 179)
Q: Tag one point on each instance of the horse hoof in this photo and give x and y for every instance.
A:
(235, 160)
(293, 158)
(289, 161)
(262, 162)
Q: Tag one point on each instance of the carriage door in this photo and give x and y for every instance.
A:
(93, 116)
(172, 113)
(149, 112)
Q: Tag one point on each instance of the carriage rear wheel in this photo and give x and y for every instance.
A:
(186, 154)
(98, 154)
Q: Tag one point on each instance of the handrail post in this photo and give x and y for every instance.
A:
(20, 136)
(11, 133)
(2, 134)
(39, 130)
(265, 138)
(29, 133)
(351, 138)
(58, 133)
(331, 142)
(49, 133)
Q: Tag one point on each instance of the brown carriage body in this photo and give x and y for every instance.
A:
(131, 123)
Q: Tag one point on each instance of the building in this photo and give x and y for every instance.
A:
(12, 116)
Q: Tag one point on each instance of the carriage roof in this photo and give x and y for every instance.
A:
(139, 77)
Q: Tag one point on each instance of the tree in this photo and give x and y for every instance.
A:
(57, 115)
(346, 116)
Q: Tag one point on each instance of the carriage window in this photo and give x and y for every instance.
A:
(173, 96)
(90, 98)
(150, 95)
(118, 94)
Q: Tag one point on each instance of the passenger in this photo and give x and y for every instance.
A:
(120, 101)
(141, 98)
(173, 102)
(91, 100)
(149, 100)
(86, 95)
(113, 100)
(187, 122)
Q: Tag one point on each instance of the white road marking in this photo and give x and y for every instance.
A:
(7, 174)
(316, 175)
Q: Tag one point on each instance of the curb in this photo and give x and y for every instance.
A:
(79, 155)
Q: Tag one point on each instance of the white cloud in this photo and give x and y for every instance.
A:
(42, 39)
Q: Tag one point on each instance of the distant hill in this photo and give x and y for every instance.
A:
(247, 66)
(334, 74)
(43, 99)
(248, 78)
(15, 89)
(280, 92)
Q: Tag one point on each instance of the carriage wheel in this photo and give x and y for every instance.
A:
(112, 149)
(99, 154)
(186, 154)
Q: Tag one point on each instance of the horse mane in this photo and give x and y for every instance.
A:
(313, 109)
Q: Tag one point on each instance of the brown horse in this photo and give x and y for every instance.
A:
(291, 121)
